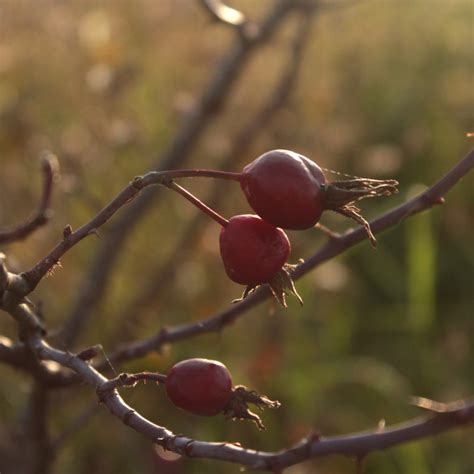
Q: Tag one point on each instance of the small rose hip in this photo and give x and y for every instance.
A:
(200, 386)
(204, 387)
(253, 250)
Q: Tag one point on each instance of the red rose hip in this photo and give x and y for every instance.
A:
(285, 188)
(253, 250)
(200, 386)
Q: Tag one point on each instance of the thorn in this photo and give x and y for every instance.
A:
(313, 437)
(137, 182)
(89, 353)
(127, 416)
(327, 231)
(67, 231)
(381, 426)
(94, 232)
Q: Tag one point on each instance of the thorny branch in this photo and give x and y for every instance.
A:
(49, 168)
(130, 380)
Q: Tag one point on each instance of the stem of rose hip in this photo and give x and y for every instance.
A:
(198, 203)
(130, 380)
(203, 173)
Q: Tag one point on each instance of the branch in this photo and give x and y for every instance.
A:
(45, 266)
(49, 374)
(50, 169)
(130, 380)
(14, 355)
(335, 246)
(313, 446)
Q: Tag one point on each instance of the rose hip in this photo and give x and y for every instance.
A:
(285, 188)
(253, 250)
(200, 386)
(291, 191)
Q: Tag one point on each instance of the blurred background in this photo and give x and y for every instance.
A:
(382, 89)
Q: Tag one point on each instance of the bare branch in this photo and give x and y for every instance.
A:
(49, 168)
(18, 356)
(335, 246)
(130, 380)
(11, 354)
(33, 276)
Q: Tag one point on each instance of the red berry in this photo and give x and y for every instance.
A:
(253, 250)
(284, 188)
(200, 386)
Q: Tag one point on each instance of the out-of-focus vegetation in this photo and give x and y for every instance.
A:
(385, 91)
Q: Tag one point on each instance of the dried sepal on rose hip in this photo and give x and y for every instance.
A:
(291, 191)
(204, 387)
(255, 252)
(238, 406)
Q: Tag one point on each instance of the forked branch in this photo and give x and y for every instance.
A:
(49, 168)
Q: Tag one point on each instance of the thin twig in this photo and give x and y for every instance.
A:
(33, 276)
(18, 356)
(198, 203)
(49, 168)
(130, 380)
